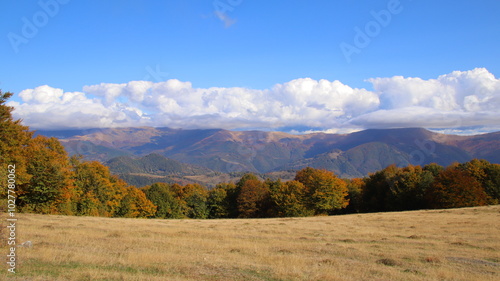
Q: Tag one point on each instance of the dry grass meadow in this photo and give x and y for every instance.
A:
(455, 244)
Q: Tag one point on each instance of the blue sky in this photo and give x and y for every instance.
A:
(255, 45)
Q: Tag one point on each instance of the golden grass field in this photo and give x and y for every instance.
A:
(454, 244)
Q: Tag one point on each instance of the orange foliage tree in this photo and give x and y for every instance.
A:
(103, 194)
(454, 188)
(135, 204)
(14, 138)
(253, 198)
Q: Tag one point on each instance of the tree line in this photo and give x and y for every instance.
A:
(49, 181)
(320, 192)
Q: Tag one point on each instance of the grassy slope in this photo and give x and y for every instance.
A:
(456, 244)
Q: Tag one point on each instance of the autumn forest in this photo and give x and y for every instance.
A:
(49, 181)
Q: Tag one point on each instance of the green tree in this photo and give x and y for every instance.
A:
(197, 201)
(433, 168)
(408, 187)
(355, 189)
(398, 189)
(492, 183)
(167, 205)
(222, 201)
(50, 189)
(192, 199)
(376, 192)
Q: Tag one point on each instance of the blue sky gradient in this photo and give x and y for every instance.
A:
(253, 44)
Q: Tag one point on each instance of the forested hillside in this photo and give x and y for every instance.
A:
(47, 180)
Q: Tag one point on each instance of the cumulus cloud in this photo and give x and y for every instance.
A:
(455, 100)
(50, 108)
(468, 90)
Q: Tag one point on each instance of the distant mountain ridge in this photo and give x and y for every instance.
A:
(348, 155)
(154, 164)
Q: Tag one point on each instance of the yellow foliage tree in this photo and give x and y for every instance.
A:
(135, 204)
(290, 199)
(324, 190)
(14, 138)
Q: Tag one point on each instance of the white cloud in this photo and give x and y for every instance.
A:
(50, 108)
(41, 95)
(458, 90)
(457, 99)
(454, 100)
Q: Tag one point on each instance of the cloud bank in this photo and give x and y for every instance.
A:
(461, 99)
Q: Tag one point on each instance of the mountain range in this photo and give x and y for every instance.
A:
(186, 154)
